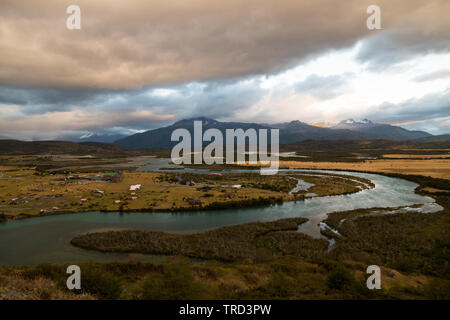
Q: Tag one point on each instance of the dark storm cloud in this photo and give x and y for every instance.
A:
(219, 99)
(134, 43)
(32, 100)
(424, 30)
(50, 113)
(138, 65)
(429, 107)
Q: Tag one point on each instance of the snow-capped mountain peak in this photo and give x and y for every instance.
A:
(356, 122)
(86, 135)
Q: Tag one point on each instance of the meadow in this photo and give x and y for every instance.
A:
(26, 191)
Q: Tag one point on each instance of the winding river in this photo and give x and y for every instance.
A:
(47, 239)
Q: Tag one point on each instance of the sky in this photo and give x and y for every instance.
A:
(137, 65)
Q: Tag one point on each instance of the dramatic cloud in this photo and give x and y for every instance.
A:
(425, 29)
(136, 65)
(51, 125)
(49, 112)
(429, 107)
(134, 43)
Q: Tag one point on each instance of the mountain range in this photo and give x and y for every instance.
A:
(92, 137)
(290, 132)
(381, 131)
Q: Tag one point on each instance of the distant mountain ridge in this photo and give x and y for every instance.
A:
(92, 137)
(438, 138)
(160, 138)
(290, 132)
(381, 131)
(16, 147)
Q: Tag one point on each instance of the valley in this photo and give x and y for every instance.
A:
(140, 225)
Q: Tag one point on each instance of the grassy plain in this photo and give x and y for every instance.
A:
(25, 191)
(436, 168)
(417, 156)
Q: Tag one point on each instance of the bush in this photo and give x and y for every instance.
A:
(340, 278)
(54, 272)
(280, 286)
(438, 289)
(176, 283)
(101, 284)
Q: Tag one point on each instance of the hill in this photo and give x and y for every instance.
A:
(381, 131)
(290, 132)
(16, 147)
(439, 138)
(160, 138)
(361, 145)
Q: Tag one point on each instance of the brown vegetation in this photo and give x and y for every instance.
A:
(256, 241)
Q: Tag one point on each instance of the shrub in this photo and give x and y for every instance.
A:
(176, 283)
(99, 283)
(340, 278)
(438, 289)
(280, 286)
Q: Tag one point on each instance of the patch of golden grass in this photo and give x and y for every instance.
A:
(416, 156)
(13, 287)
(434, 190)
(436, 168)
(51, 194)
(153, 194)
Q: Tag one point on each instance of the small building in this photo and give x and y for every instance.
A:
(135, 187)
(112, 177)
(229, 195)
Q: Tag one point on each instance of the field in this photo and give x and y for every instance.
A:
(26, 191)
(385, 156)
(436, 168)
(417, 156)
